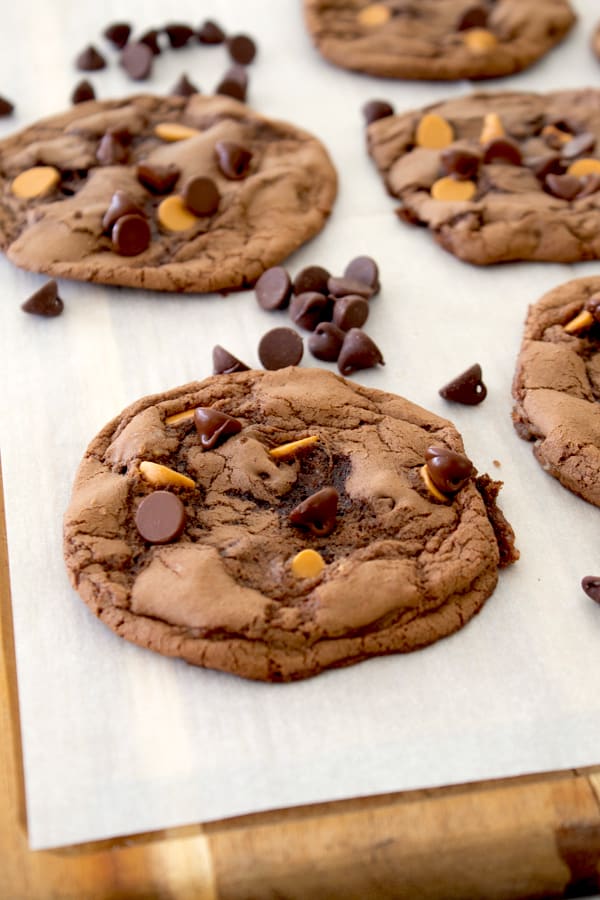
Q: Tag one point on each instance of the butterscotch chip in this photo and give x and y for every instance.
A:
(307, 564)
(443, 498)
(174, 215)
(582, 167)
(187, 415)
(373, 15)
(174, 131)
(294, 447)
(492, 129)
(434, 132)
(582, 320)
(35, 182)
(480, 40)
(453, 191)
(163, 476)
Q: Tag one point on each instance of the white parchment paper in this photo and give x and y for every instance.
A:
(117, 739)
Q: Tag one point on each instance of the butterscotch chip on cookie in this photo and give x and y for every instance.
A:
(437, 39)
(557, 385)
(303, 534)
(59, 177)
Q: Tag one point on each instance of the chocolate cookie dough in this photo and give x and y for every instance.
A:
(557, 385)
(498, 177)
(437, 39)
(275, 524)
(151, 160)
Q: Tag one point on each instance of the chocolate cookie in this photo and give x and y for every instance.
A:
(557, 385)
(166, 193)
(498, 177)
(275, 524)
(437, 39)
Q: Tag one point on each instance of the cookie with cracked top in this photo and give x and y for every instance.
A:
(556, 387)
(274, 524)
(58, 178)
(437, 39)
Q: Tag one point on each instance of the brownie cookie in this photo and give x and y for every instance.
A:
(166, 193)
(498, 177)
(557, 385)
(437, 39)
(275, 524)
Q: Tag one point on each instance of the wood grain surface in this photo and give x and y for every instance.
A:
(531, 837)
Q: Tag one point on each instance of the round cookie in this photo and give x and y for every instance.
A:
(436, 39)
(310, 538)
(557, 385)
(226, 193)
(498, 176)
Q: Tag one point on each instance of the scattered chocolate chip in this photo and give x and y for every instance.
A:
(44, 302)
(341, 287)
(111, 151)
(318, 512)
(233, 159)
(582, 143)
(467, 388)
(448, 470)
(591, 587)
(502, 150)
(311, 278)
(137, 60)
(160, 517)
(89, 60)
(365, 270)
(460, 162)
(131, 235)
(350, 312)
(234, 83)
(358, 351)
(210, 33)
(214, 426)
(6, 107)
(473, 17)
(118, 34)
(242, 49)
(224, 362)
(201, 196)
(156, 178)
(184, 87)
(589, 184)
(565, 187)
(82, 92)
(310, 308)
(121, 204)
(541, 166)
(592, 305)
(178, 34)
(273, 288)
(376, 109)
(150, 39)
(280, 347)
(326, 341)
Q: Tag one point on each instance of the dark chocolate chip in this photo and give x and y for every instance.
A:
(233, 159)
(591, 586)
(460, 162)
(502, 150)
(341, 287)
(82, 92)
(363, 269)
(214, 426)
(273, 288)
(592, 305)
(326, 341)
(150, 39)
(201, 196)
(210, 33)
(350, 312)
(312, 278)
(242, 49)
(44, 302)
(310, 308)
(473, 17)
(156, 178)
(358, 351)
(589, 184)
(376, 109)
(178, 34)
(565, 187)
(280, 347)
(224, 362)
(565, 124)
(111, 151)
(131, 235)
(541, 166)
(448, 470)
(89, 60)
(582, 143)
(318, 512)
(184, 87)
(234, 83)
(160, 517)
(467, 388)
(118, 34)
(6, 107)
(121, 204)
(137, 60)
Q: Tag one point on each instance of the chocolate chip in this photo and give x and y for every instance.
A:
(363, 269)
(234, 83)
(589, 184)
(280, 347)
(318, 512)
(184, 87)
(214, 426)
(592, 305)
(121, 204)
(201, 196)
(565, 187)
(273, 288)
(358, 351)
(242, 48)
(583, 143)
(350, 312)
(591, 586)
(6, 107)
(376, 109)
(156, 178)
(178, 34)
(224, 362)
(473, 17)
(111, 150)
(233, 159)
(460, 162)
(137, 60)
(341, 287)
(502, 150)
(89, 60)
(326, 341)
(310, 308)
(131, 235)
(160, 517)
(448, 470)
(545, 165)
(210, 33)
(118, 34)
(467, 388)
(150, 39)
(82, 92)
(311, 278)
(44, 302)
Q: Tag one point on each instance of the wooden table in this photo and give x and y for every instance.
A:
(525, 837)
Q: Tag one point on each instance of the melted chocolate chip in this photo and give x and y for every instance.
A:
(280, 347)
(363, 269)
(184, 87)
(591, 587)
(309, 308)
(44, 302)
(358, 351)
(350, 312)
(131, 235)
(326, 341)
(156, 178)
(273, 288)
(467, 388)
(210, 33)
(318, 512)
(118, 34)
(224, 362)
(233, 159)
(242, 49)
(82, 92)
(121, 204)
(201, 196)
(460, 162)
(565, 187)
(160, 517)
(214, 426)
(376, 109)
(178, 34)
(312, 278)
(592, 305)
(448, 470)
(89, 60)
(137, 59)
(502, 150)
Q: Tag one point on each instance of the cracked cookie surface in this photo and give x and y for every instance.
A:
(282, 200)
(401, 569)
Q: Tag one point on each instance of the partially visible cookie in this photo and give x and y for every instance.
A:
(204, 193)
(557, 385)
(437, 39)
(275, 524)
(498, 176)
